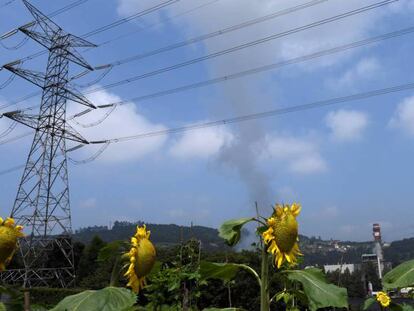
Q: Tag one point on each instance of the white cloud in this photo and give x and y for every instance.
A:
(124, 121)
(301, 154)
(366, 68)
(202, 143)
(403, 118)
(346, 125)
(228, 13)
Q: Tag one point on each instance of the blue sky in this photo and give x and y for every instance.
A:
(348, 164)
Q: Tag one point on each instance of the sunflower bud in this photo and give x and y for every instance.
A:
(9, 233)
(281, 236)
(141, 259)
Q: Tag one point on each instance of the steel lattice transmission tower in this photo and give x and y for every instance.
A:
(42, 202)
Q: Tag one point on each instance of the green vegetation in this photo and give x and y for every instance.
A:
(189, 276)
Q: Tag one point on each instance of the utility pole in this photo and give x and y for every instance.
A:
(42, 203)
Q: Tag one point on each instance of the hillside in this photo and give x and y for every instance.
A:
(161, 235)
(316, 250)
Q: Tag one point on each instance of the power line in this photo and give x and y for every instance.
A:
(245, 45)
(91, 158)
(12, 139)
(8, 81)
(66, 8)
(7, 3)
(15, 47)
(12, 169)
(8, 130)
(248, 117)
(95, 123)
(129, 18)
(22, 99)
(334, 50)
(219, 32)
(174, 46)
(266, 114)
(50, 15)
(163, 21)
(268, 67)
(112, 25)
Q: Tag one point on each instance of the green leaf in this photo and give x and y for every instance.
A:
(107, 299)
(401, 276)
(320, 293)
(395, 307)
(368, 303)
(2, 307)
(111, 250)
(226, 309)
(230, 230)
(406, 307)
(223, 271)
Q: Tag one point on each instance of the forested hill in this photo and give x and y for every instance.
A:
(316, 250)
(161, 235)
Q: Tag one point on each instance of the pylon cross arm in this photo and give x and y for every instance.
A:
(36, 122)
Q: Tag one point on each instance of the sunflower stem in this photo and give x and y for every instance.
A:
(264, 288)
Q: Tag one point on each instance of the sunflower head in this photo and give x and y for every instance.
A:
(141, 259)
(281, 236)
(383, 299)
(9, 233)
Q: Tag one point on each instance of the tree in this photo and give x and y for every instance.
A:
(88, 262)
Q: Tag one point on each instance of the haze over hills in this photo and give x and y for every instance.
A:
(316, 250)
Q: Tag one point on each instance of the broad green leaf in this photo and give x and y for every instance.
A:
(223, 271)
(395, 307)
(2, 307)
(230, 230)
(401, 276)
(406, 307)
(320, 293)
(368, 303)
(107, 299)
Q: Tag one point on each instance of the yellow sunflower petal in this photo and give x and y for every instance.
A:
(9, 222)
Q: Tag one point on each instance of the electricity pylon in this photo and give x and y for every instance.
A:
(42, 201)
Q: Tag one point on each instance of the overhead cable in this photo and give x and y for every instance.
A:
(8, 81)
(12, 139)
(7, 3)
(8, 130)
(14, 47)
(129, 18)
(91, 158)
(12, 169)
(296, 60)
(161, 22)
(245, 45)
(22, 99)
(268, 67)
(218, 32)
(266, 114)
(112, 25)
(50, 15)
(95, 123)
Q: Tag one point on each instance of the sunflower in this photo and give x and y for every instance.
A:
(141, 259)
(383, 299)
(281, 236)
(9, 233)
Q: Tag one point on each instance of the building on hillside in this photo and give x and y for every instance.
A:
(342, 268)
